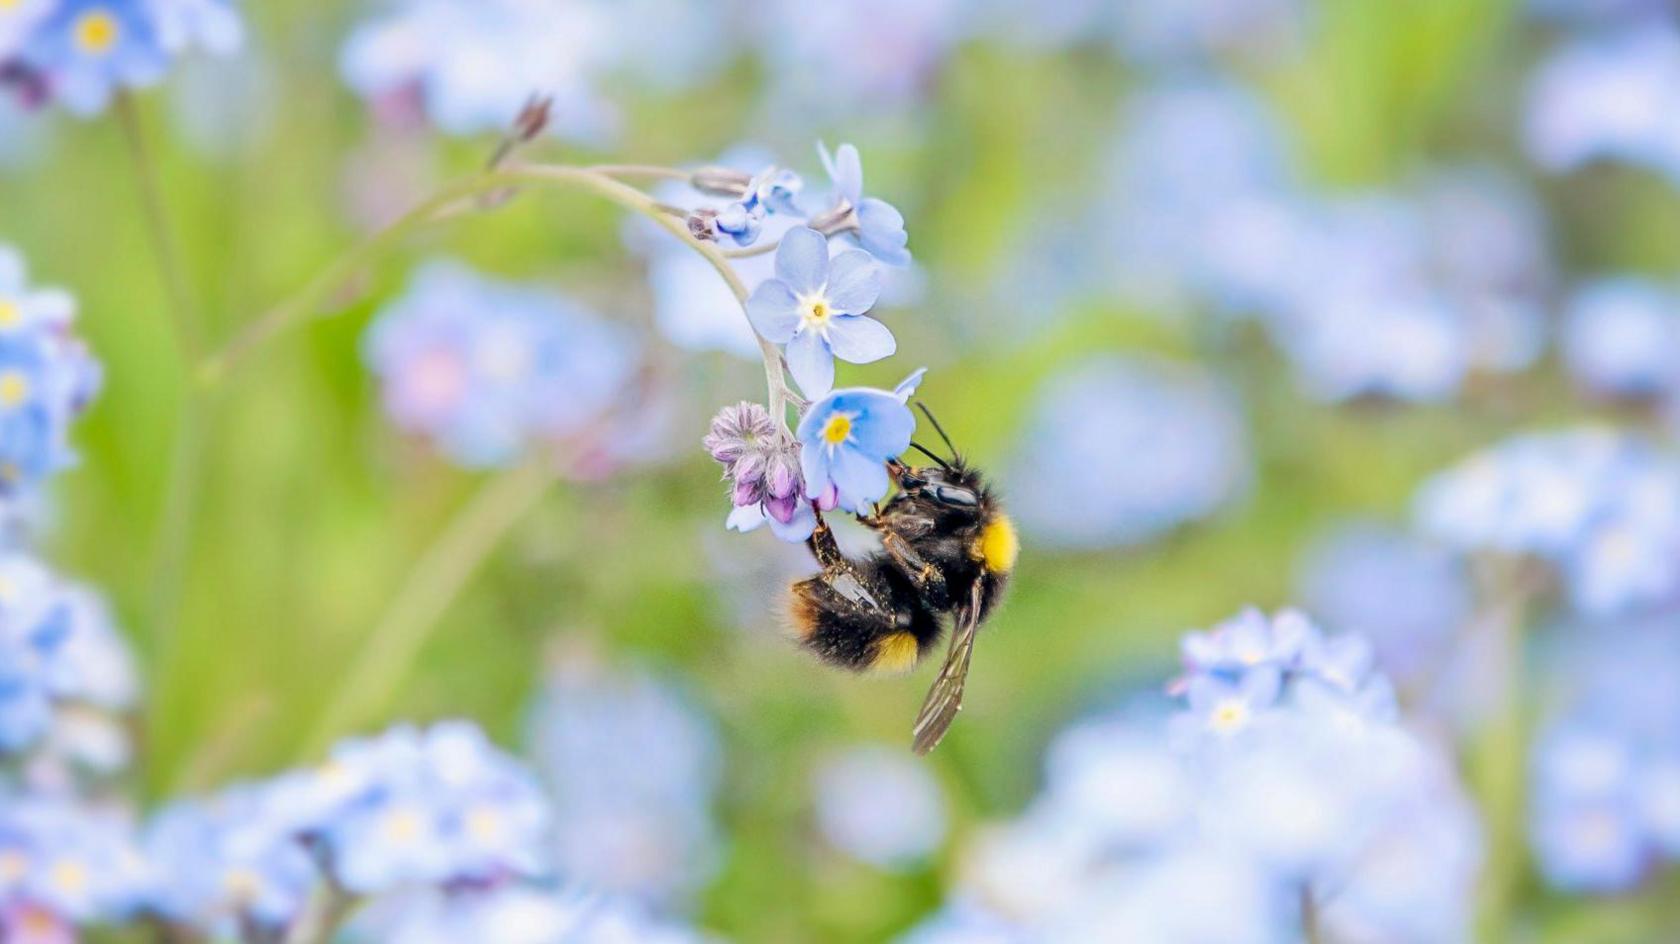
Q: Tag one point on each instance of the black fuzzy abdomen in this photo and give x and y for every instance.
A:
(885, 628)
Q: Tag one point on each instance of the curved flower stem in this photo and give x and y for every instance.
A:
(433, 583)
(326, 909)
(183, 313)
(451, 200)
(653, 171)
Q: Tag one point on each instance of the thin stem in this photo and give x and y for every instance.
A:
(653, 171)
(315, 295)
(431, 586)
(183, 313)
(327, 908)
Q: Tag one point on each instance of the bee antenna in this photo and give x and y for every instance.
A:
(925, 451)
(955, 455)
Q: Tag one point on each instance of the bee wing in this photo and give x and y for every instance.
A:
(944, 699)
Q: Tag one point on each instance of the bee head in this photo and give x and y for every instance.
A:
(953, 487)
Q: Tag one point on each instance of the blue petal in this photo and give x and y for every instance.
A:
(881, 232)
(804, 522)
(854, 283)
(811, 364)
(846, 170)
(860, 339)
(907, 387)
(802, 260)
(883, 427)
(813, 462)
(746, 518)
(861, 478)
(773, 311)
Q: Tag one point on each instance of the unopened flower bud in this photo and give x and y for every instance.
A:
(533, 117)
(702, 225)
(748, 492)
(750, 467)
(782, 478)
(782, 509)
(829, 498)
(736, 430)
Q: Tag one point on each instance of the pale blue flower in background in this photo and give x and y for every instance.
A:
(1406, 595)
(1605, 764)
(852, 59)
(879, 226)
(489, 368)
(1609, 95)
(631, 767)
(1587, 11)
(1622, 337)
(1603, 507)
(227, 861)
(1152, 830)
(516, 914)
(1076, 480)
(76, 861)
(1162, 32)
(214, 25)
(476, 64)
(879, 805)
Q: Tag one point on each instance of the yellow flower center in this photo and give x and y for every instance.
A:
(70, 876)
(1228, 716)
(484, 824)
(241, 884)
(9, 4)
(814, 311)
(14, 387)
(402, 826)
(96, 32)
(10, 314)
(837, 430)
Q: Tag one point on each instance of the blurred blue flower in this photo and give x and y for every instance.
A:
(60, 659)
(489, 368)
(77, 862)
(1602, 507)
(89, 49)
(513, 914)
(46, 379)
(1161, 32)
(1611, 94)
(1623, 338)
(214, 25)
(879, 805)
(228, 862)
(854, 59)
(1086, 428)
(632, 769)
(1151, 829)
(876, 224)
(847, 437)
(431, 807)
(1407, 596)
(473, 64)
(1605, 766)
(815, 306)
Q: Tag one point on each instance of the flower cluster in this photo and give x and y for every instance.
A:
(1610, 94)
(761, 463)
(46, 379)
(81, 52)
(1606, 769)
(1079, 480)
(489, 369)
(64, 863)
(1285, 782)
(1399, 294)
(631, 767)
(1622, 339)
(848, 788)
(66, 676)
(1602, 507)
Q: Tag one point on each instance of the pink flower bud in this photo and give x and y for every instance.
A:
(783, 477)
(782, 509)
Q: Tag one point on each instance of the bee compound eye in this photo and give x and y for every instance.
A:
(953, 495)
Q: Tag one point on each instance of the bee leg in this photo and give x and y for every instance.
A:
(928, 578)
(823, 545)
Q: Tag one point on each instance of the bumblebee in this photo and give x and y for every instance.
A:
(947, 549)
